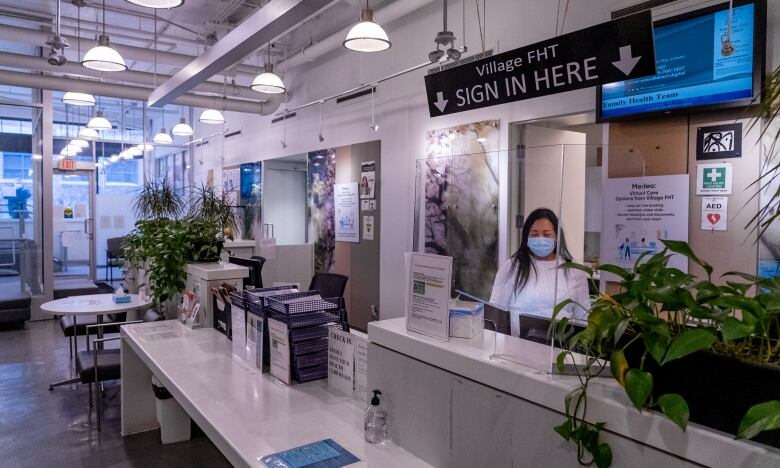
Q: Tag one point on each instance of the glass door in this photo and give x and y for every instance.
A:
(73, 224)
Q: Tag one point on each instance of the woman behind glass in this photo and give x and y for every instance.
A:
(525, 283)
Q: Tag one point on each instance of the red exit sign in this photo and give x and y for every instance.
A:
(67, 164)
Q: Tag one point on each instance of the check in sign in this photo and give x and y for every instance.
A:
(605, 53)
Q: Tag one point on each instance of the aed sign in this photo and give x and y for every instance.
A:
(714, 213)
(713, 179)
(605, 53)
(67, 164)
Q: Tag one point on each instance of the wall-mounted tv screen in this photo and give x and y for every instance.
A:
(694, 67)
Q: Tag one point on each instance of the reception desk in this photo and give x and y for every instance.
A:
(453, 406)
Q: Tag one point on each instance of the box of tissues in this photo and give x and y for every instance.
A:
(120, 296)
(466, 318)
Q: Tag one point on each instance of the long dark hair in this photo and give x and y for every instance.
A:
(521, 260)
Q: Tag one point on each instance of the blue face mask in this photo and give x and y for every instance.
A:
(541, 246)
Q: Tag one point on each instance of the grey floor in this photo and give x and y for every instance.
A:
(39, 428)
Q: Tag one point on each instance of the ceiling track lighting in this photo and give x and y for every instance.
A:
(157, 4)
(367, 35)
(57, 43)
(268, 82)
(103, 57)
(444, 38)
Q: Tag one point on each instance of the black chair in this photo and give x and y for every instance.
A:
(255, 265)
(115, 256)
(97, 365)
(73, 327)
(329, 284)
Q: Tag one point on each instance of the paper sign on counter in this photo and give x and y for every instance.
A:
(341, 361)
(428, 281)
(280, 350)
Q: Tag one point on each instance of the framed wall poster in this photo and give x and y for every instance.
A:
(719, 141)
(346, 201)
(367, 179)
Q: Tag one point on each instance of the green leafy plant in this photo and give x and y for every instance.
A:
(215, 207)
(766, 117)
(158, 199)
(662, 315)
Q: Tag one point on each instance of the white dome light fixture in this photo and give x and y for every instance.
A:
(103, 57)
(268, 82)
(98, 122)
(157, 3)
(212, 117)
(78, 99)
(367, 35)
(182, 128)
(88, 134)
(79, 142)
(162, 138)
(73, 148)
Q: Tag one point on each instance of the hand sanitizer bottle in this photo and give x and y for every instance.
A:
(375, 421)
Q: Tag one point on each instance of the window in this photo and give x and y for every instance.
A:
(17, 166)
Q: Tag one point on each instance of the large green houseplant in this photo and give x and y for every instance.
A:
(660, 318)
(164, 240)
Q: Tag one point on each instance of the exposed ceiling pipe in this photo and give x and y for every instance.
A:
(391, 12)
(31, 36)
(21, 61)
(54, 83)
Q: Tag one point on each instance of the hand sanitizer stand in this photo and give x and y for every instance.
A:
(201, 277)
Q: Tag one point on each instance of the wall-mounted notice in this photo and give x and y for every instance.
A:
(346, 200)
(368, 228)
(367, 179)
(341, 361)
(231, 183)
(640, 212)
(714, 213)
(428, 282)
(280, 350)
(714, 179)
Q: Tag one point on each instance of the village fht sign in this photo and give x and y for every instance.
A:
(605, 53)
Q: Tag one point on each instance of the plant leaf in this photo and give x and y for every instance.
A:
(689, 342)
(682, 248)
(603, 456)
(560, 359)
(615, 270)
(564, 429)
(733, 329)
(639, 385)
(575, 266)
(618, 366)
(656, 344)
(675, 408)
(761, 417)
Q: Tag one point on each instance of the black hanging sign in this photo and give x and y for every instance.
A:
(605, 53)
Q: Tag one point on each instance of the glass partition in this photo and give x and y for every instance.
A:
(20, 200)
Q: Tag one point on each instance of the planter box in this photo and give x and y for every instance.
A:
(720, 389)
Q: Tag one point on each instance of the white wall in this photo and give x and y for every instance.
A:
(284, 204)
(402, 112)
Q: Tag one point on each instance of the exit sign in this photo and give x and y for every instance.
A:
(67, 165)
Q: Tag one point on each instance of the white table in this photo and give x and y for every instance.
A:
(244, 413)
(93, 304)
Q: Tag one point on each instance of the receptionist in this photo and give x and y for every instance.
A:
(525, 283)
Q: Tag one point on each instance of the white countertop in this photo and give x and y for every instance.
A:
(607, 401)
(93, 304)
(217, 271)
(245, 413)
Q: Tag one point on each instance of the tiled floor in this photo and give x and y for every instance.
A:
(39, 428)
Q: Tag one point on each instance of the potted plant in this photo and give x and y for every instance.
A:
(665, 324)
(216, 208)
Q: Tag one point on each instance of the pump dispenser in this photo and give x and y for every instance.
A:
(375, 421)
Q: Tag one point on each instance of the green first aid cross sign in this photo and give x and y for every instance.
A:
(713, 179)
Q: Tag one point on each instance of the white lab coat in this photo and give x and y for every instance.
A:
(538, 297)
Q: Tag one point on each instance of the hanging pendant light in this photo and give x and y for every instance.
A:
(162, 138)
(157, 3)
(182, 128)
(103, 57)
(88, 134)
(98, 122)
(79, 143)
(367, 35)
(78, 99)
(212, 116)
(268, 82)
